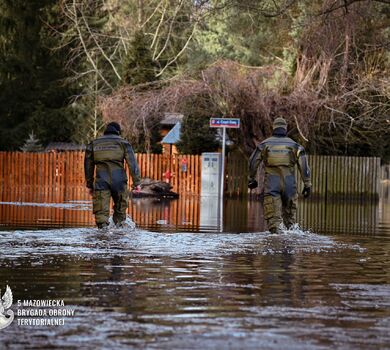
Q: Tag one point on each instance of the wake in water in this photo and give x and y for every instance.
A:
(294, 229)
(132, 241)
(298, 240)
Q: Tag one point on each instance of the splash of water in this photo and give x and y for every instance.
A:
(127, 225)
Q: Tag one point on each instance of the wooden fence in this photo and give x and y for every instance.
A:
(339, 177)
(184, 171)
(59, 177)
(38, 180)
(48, 189)
(385, 172)
(236, 180)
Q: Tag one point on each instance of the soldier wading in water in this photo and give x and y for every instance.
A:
(280, 154)
(108, 153)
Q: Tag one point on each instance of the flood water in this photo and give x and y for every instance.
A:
(185, 279)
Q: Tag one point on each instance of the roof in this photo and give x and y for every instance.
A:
(171, 118)
(64, 146)
(173, 136)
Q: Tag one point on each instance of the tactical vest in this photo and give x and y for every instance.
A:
(279, 155)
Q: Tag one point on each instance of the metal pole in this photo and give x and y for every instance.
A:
(222, 177)
(223, 161)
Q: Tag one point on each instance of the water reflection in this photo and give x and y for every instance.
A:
(211, 213)
(153, 290)
(204, 214)
(142, 289)
(166, 215)
(37, 214)
(357, 217)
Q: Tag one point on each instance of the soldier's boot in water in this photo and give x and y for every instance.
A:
(120, 224)
(102, 227)
(276, 230)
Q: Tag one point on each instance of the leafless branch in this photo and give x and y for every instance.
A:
(98, 45)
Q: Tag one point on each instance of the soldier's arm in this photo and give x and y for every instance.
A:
(132, 163)
(254, 161)
(303, 167)
(89, 166)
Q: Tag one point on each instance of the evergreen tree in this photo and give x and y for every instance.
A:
(31, 75)
(138, 66)
(197, 136)
(32, 144)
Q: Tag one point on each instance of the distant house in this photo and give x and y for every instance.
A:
(63, 147)
(170, 131)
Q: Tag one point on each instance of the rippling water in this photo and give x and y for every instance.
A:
(176, 282)
(140, 289)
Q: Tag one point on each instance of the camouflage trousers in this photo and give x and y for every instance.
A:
(101, 206)
(279, 209)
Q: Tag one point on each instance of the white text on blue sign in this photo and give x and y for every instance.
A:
(224, 122)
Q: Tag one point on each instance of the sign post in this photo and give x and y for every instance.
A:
(224, 123)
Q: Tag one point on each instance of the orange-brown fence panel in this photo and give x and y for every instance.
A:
(183, 171)
(59, 177)
(53, 177)
(52, 185)
(236, 177)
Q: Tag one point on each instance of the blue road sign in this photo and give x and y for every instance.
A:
(225, 123)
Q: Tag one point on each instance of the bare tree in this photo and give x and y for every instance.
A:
(98, 34)
(336, 94)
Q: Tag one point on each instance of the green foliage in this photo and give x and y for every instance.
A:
(140, 145)
(89, 121)
(138, 66)
(242, 32)
(31, 76)
(197, 136)
(321, 64)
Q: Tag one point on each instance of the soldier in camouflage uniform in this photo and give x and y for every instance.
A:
(280, 154)
(107, 153)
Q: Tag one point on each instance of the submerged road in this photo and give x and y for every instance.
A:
(136, 289)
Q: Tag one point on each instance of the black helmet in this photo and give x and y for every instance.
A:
(113, 128)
